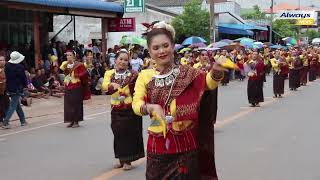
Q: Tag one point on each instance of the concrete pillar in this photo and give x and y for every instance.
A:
(36, 37)
(104, 30)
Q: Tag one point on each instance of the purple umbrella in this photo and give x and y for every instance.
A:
(218, 45)
(197, 45)
(226, 41)
(178, 46)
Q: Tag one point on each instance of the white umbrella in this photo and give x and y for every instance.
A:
(316, 41)
(258, 43)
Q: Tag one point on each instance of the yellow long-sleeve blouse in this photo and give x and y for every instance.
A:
(197, 65)
(184, 61)
(275, 65)
(145, 77)
(70, 78)
(115, 97)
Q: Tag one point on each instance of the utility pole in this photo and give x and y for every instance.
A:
(212, 22)
(74, 28)
(270, 36)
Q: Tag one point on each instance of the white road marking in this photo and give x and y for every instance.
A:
(51, 124)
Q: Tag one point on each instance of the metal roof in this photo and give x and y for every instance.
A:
(77, 4)
(244, 26)
(228, 30)
(167, 3)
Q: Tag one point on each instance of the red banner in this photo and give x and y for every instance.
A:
(122, 25)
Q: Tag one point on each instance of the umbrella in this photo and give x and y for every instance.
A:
(250, 45)
(244, 39)
(226, 41)
(316, 41)
(208, 49)
(184, 50)
(218, 45)
(133, 40)
(197, 45)
(259, 44)
(268, 44)
(276, 47)
(139, 41)
(125, 40)
(178, 46)
(254, 46)
(193, 40)
(290, 40)
(233, 46)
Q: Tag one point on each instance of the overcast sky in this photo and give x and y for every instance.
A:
(264, 4)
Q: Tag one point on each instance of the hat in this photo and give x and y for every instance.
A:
(16, 57)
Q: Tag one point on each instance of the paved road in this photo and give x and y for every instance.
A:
(273, 142)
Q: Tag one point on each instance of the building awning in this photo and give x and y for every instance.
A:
(234, 29)
(94, 8)
(251, 27)
(226, 30)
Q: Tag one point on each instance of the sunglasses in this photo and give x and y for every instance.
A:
(204, 54)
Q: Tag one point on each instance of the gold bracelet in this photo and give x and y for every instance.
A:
(217, 75)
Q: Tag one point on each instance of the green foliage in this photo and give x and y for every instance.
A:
(254, 14)
(194, 21)
(311, 34)
(286, 28)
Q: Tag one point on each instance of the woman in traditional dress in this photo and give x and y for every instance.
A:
(255, 71)
(226, 78)
(294, 73)
(305, 69)
(278, 63)
(240, 63)
(318, 63)
(313, 68)
(180, 143)
(4, 98)
(125, 125)
(203, 63)
(77, 89)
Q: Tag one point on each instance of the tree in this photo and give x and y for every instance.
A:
(286, 28)
(194, 21)
(312, 34)
(254, 14)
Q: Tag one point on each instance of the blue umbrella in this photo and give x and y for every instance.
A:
(276, 47)
(193, 40)
(250, 45)
(218, 45)
(259, 44)
(290, 40)
(244, 39)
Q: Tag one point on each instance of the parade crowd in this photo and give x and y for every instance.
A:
(177, 88)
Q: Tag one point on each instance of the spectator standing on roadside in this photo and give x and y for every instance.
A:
(16, 82)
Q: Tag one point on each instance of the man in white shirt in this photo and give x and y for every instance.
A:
(136, 62)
